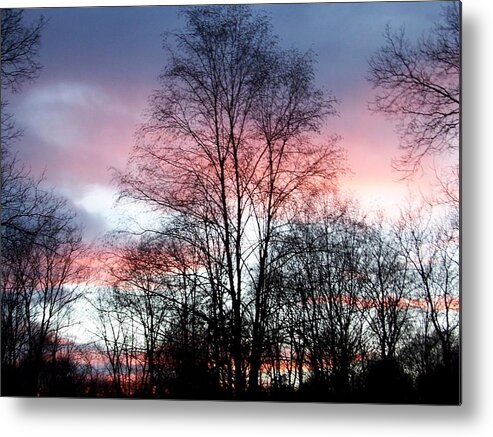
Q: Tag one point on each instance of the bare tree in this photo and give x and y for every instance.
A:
(41, 243)
(387, 291)
(227, 144)
(317, 279)
(25, 206)
(19, 53)
(286, 164)
(432, 251)
(23, 202)
(20, 49)
(28, 209)
(152, 322)
(418, 85)
(41, 278)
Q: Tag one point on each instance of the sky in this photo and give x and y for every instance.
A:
(101, 64)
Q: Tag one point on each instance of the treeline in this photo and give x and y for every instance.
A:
(351, 311)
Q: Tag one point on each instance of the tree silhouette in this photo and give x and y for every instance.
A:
(41, 243)
(227, 143)
(418, 84)
(20, 46)
(19, 53)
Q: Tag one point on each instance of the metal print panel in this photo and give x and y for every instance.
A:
(234, 202)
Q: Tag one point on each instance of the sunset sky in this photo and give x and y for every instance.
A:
(101, 64)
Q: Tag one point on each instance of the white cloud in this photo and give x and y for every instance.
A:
(66, 114)
(67, 94)
(101, 201)
(97, 199)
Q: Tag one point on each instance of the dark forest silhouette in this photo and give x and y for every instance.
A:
(261, 281)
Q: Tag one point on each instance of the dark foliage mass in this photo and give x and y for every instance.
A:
(260, 281)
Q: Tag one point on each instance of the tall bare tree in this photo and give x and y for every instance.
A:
(227, 143)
